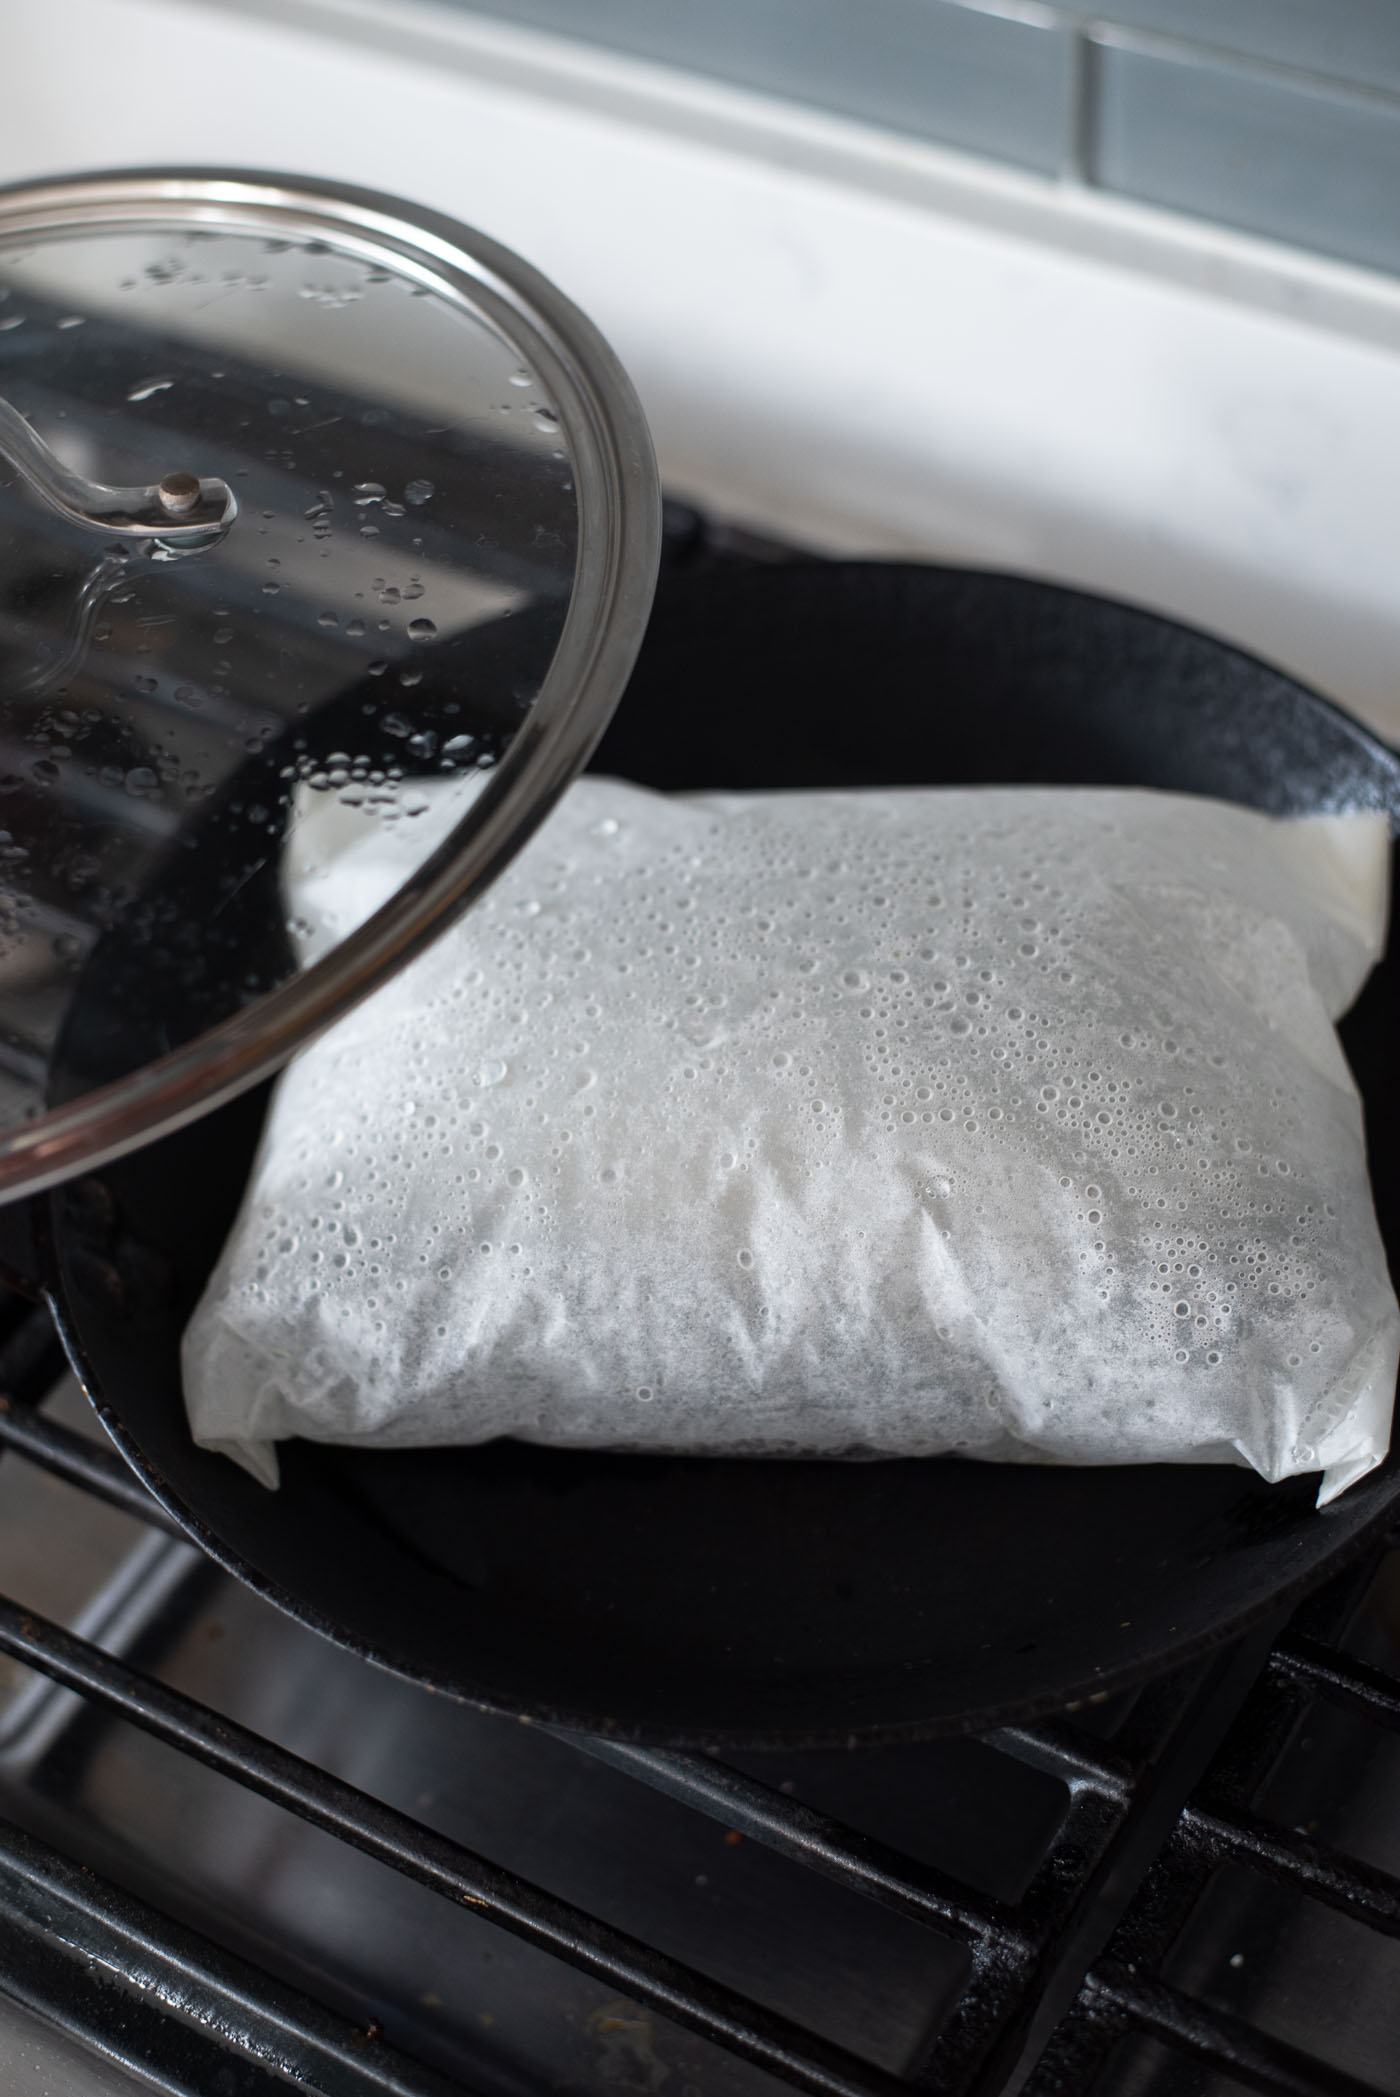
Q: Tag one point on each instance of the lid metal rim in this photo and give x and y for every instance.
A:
(618, 552)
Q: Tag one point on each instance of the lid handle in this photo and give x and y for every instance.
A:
(180, 514)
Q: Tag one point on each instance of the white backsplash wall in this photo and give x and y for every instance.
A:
(866, 342)
(1281, 117)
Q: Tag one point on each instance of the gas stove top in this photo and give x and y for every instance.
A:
(237, 1856)
(231, 1854)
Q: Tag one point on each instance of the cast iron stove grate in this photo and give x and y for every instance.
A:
(1156, 1801)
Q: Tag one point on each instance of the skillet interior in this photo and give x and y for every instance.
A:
(765, 1603)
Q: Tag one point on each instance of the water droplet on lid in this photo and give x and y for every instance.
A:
(491, 1074)
(367, 492)
(422, 630)
(145, 388)
(419, 492)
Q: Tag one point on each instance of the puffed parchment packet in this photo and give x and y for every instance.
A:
(1006, 1122)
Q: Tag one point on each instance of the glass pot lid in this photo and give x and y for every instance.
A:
(311, 503)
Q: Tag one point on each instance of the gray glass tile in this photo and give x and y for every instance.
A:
(937, 70)
(1355, 40)
(1318, 168)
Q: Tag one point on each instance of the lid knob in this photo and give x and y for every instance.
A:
(178, 493)
(177, 515)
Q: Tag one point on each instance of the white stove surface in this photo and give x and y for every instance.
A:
(852, 339)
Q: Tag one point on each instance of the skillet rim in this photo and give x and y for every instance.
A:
(1383, 1484)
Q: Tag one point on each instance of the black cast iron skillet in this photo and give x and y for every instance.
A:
(773, 1602)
